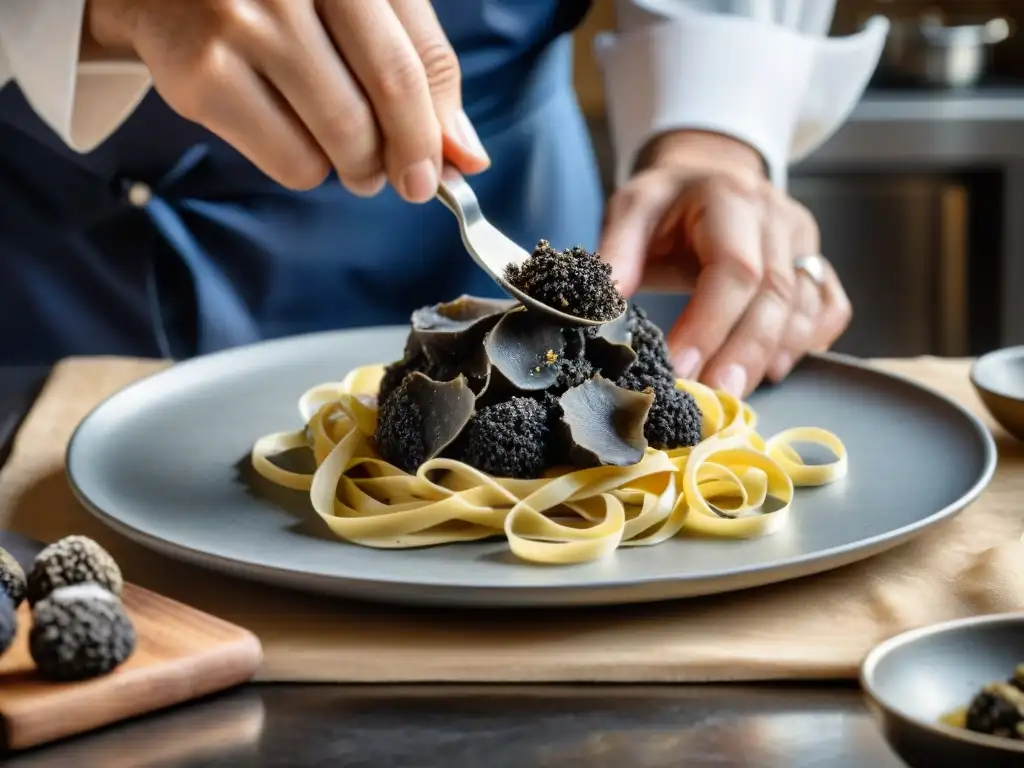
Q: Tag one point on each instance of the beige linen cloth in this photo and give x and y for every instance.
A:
(818, 627)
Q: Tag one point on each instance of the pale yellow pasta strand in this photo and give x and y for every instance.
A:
(611, 506)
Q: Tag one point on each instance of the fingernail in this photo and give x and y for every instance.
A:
(733, 380)
(419, 181)
(367, 187)
(782, 366)
(462, 130)
(686, 363)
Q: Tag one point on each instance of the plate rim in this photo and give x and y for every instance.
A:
(805, 563)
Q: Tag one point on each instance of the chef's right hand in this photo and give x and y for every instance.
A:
(370, 88)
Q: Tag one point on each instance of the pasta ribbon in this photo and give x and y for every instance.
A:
(733, 484)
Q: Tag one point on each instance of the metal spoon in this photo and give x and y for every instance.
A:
(490, 249)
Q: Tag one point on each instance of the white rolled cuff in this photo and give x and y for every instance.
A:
(780, 91)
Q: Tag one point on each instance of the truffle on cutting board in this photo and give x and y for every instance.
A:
(8, 622)
(12, 577)
(72, 560)
(80, 631)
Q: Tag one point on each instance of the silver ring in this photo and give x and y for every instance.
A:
(813, 266)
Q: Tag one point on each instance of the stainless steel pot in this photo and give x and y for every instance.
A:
(927, 52)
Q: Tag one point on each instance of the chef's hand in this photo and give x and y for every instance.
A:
(370, 88)
(701, 216)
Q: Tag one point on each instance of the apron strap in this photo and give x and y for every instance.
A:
(222, 317)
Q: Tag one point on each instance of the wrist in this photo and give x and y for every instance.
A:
(704, 150)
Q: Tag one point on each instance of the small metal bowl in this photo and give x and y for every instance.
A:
(914, 679)
(998, 378)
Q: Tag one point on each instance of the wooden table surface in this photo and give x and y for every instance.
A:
(740, 726)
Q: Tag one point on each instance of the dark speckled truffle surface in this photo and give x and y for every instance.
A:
(72, 560)
(12, 577)
(80, 632)
(8, 622)
(574, 281)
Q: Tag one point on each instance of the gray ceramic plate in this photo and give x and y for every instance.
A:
(165, 463)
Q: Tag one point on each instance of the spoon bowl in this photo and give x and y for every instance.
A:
(913, 680)
(492, 250)
(998, 378)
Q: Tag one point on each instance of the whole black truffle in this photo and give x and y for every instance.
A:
(990, 712)
(508, 439)
(652, 367)
(12, 577)
(78, 632)
(574, 281)
(8, 622)
(674, 420)
(72, 560)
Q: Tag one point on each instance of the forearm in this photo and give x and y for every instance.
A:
(82, 92)
(760, 71)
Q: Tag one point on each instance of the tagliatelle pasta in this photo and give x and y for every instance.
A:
(720, 487)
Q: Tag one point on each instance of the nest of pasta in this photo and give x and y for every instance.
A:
(569, 443)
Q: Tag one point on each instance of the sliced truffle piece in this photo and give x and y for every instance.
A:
(421, 418)
(72, 560)
(618, 331)
(12, 577)
(459, 314)
(525, 348)
(79, 632)
(611, 358)
(574, 281)
(993, 713)
(508, 439)
(8, 622)
(604, 424)
(674, 420)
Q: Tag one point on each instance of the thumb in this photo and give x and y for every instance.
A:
(631, 219)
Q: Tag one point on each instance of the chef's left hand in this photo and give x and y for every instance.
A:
(700, 216)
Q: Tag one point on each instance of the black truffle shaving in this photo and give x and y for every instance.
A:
(12, 577)
(574, 281)
(603, 424)
(611, 358)
(526, 349)
(990, 712)
(8, 622)
(77, 634)
(509, 439)
(72, 560)
(421, 418)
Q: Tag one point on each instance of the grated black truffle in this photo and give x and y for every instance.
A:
(574, 281)
(992, 713)
(72, 560)
(652, 366)
(79, 632)
(399, 435)
(674, 420)
(508, 439)
(395, 374)
(12, 577)
(8, 622)
(573, 372)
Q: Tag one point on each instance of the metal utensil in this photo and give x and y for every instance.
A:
(490, 249)
(927, 51)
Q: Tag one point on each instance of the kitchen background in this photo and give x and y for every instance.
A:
(920, 196)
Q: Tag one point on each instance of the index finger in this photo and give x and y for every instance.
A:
(727, 241)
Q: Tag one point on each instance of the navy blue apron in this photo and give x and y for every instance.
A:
(165, 242)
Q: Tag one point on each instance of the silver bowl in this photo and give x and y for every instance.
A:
(912, 680)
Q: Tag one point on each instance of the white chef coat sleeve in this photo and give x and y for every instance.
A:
(83, 102)
(762, 71)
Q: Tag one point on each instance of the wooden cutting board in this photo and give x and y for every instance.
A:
(181, 654)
